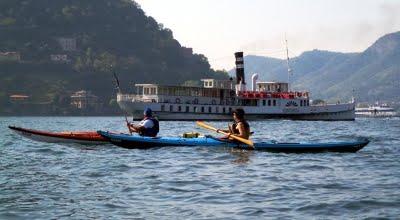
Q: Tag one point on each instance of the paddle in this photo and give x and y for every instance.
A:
(119, 91)
(245, 141)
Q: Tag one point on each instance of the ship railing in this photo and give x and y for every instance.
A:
(282, 95)
(135, 98)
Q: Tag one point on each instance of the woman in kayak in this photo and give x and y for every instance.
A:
(148, 127)
(240, 128)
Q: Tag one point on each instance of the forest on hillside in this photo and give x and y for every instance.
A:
(59, 47)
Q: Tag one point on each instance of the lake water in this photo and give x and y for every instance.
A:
(54, 181)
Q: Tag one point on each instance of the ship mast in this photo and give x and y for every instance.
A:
(289, 70)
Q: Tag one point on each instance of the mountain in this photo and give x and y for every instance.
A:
(373, 74)
(50, 49)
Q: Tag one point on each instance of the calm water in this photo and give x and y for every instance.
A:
(51, 181)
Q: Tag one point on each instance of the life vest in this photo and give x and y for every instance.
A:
(153, 131)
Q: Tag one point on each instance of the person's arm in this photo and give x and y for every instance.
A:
(227, 131)
(242, 131)
(230, 126)
(136, 128)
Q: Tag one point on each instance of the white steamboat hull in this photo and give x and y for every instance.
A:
(341, 112)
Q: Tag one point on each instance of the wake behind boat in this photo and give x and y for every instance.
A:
(78, 137)
(138, 142)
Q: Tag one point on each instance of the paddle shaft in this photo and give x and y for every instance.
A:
(119, 91)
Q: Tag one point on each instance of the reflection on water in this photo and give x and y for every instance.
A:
(242, 156)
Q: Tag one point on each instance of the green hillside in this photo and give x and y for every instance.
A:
(65, 46)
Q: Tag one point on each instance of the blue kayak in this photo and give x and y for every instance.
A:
(138, 142)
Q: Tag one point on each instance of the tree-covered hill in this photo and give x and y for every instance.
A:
(68, 45)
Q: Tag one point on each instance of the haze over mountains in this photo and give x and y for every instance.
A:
(373, 74)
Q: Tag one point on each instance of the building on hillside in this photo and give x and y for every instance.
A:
(67, 44)
(18, 98)
(84, 99)
(10, 56)
(59, 58)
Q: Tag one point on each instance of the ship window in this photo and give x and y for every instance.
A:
(223, 109)
(264, 102)
(195, 109)
(230, 110)
(162, 108)
(146, 91)
(301, 102)
(274, 102)
(216, 109)
(202, 109)
(269, 102)
(308, 102)
(153, 91)
(187, 109)
(209, 109)
(171, 108)
(179, 108)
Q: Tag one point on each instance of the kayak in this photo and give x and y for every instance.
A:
(78, 137)
(138, 142)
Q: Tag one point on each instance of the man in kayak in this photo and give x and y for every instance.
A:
(240, 128)
(148, 127)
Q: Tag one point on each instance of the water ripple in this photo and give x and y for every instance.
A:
(42, 181)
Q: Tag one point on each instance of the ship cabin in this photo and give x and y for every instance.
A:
(213, 92)
(273, 94)
(218, 92)
(272, 86)
(215, 83)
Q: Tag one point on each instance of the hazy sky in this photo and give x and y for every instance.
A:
(218, 28)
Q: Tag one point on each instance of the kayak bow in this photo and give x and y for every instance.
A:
(80, 137)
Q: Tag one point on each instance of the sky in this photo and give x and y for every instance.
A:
(219, 28)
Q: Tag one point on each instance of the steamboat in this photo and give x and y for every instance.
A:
(216, 99)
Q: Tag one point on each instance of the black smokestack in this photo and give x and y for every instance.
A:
(239, 67)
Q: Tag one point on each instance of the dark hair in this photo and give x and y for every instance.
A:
(239, 113)
(147, 112)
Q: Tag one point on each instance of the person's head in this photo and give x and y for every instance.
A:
(238, 114)
(148, 112)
